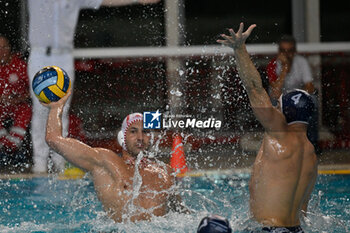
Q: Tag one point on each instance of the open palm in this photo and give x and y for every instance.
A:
(235, 40)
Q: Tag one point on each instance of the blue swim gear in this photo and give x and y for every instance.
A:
(297, 106)
(214, 224)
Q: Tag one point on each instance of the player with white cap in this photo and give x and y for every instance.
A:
(113, 175)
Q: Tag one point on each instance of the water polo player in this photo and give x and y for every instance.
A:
(285, 169)
(214, 224)
(124, 193)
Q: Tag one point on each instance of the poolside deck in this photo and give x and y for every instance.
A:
(228, 162)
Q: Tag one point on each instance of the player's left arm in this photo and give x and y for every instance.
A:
(269, 117)
(127, 2)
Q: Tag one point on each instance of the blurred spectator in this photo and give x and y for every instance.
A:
(289, 71)
(15, 109)
(51, 32)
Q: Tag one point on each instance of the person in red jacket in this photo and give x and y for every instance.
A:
(15, 108)
(288, 71)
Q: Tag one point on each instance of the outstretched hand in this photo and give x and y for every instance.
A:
(235, 40)
(59, 103)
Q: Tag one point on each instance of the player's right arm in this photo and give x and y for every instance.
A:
(73, 150)
(272, 120)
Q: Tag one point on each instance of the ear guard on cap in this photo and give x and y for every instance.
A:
(121, 140)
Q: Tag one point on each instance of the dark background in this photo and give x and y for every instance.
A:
(112, 88)
(138, 25)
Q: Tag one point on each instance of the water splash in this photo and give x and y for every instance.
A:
(176, 92)
(137, 180)
(51, 205)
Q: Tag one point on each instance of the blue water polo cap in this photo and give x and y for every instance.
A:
(214, 224)
(297, 106)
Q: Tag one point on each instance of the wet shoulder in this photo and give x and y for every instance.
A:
(283, 146)
(107, 154)
(104, 151)
(110, 165)
(163, 174)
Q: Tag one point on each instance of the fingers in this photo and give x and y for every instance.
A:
(240, 30)
(250, 29)
(232, 33)
(64, 98)
(69, 92)
(60, 102)
(224, 42)
(227, 40)
(44, 104)
(236, 38)
(226, 36)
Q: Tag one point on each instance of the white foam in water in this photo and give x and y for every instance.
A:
(137, 180)
(203, 203)
(173, 222)
(137, 183)
(51, 205)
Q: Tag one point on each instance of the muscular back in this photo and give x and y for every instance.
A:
(283, 177)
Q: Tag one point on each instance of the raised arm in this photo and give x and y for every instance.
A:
(74, 151)
(269, 117)
(127, 2)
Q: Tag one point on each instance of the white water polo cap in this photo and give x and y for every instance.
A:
(128, 120)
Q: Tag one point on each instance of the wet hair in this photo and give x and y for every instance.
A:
(287, 38)
(214, 224)
(297, 106)
(7, 40)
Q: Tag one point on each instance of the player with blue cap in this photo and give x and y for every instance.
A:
(297, 106)
(214, 224)
(285, 169)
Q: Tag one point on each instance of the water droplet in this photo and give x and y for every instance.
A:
(176, 92)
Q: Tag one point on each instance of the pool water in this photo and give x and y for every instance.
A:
(53, 205)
